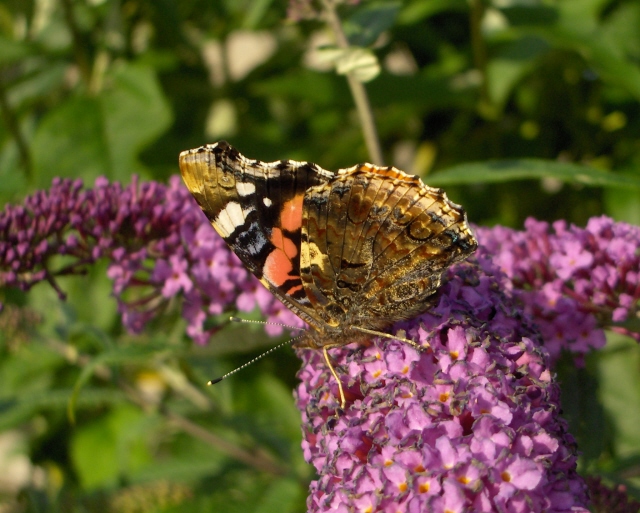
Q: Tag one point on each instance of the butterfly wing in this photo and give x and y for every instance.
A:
(375, 244)
(256, 208)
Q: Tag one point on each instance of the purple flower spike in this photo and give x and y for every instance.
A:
(156, 238)
(572, 281)
(470, 424)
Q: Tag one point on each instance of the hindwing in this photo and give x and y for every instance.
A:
(375, 244)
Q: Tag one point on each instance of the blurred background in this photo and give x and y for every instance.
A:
(519, 108)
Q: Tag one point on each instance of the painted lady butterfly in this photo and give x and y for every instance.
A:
(350, 252)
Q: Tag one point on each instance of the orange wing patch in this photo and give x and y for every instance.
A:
(278, 265)
(291, 215)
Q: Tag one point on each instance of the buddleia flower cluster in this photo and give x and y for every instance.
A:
(573, 281)
(470, 424)
(158, 243)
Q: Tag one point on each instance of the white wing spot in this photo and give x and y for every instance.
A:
(267, 202)
(229, 218)
(245, 188)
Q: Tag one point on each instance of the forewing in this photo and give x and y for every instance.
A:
(256, 207)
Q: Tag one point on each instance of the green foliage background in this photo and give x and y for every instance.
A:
(518, 108)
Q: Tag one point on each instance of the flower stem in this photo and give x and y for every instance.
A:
(479, 49)
(358, 91)
(79, 46)
(11, 121)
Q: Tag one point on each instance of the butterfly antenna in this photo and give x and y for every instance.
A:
(412, 343)
(251, 321)
(259, 357)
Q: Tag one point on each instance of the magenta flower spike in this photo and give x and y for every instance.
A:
(470, 425)
(573, 281)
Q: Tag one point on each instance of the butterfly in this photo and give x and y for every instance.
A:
(350, 252)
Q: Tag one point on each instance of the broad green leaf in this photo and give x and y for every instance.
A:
(43, 80)
(605, 59)
(90, 297)
(27, 368)
(582, 407)
(621, 28)
(111, 448)
(251, 492)
(70, 142)
(190, 459)
(623, 204)
(529, 169)
(423, 91)
(21, 408)
(317, 88)
(135, 112)
(236, 337)
(418, 10)
(88, 136)
(369, 21)
(268, 397)
(530, 14)
(12, 51)
(117, 355)
(255, 13)
(515, 60)
(577, 29)
(620, 392)
(283, 496)
(502, 76)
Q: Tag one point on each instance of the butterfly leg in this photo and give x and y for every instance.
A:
(343, 401)
(413, 343)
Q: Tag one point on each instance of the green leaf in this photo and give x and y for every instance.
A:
(605, 59)
(85, 136)
(44, 79)
(515, 60)
(70, 142)
(134, 95)
(577, 29)
(582, 408)
(191, 459)
(117, 355)
(621, 28)
(530, 169)
(424, 90)
(623, 204)
(317, 88)
(111, 448)
(283, 496)
(12, 51)
(17, 410)
(620, 392)
(248, 492)
(530, 14)
(268, 397)
(255, 13)
(416, 11)
(370, 21)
